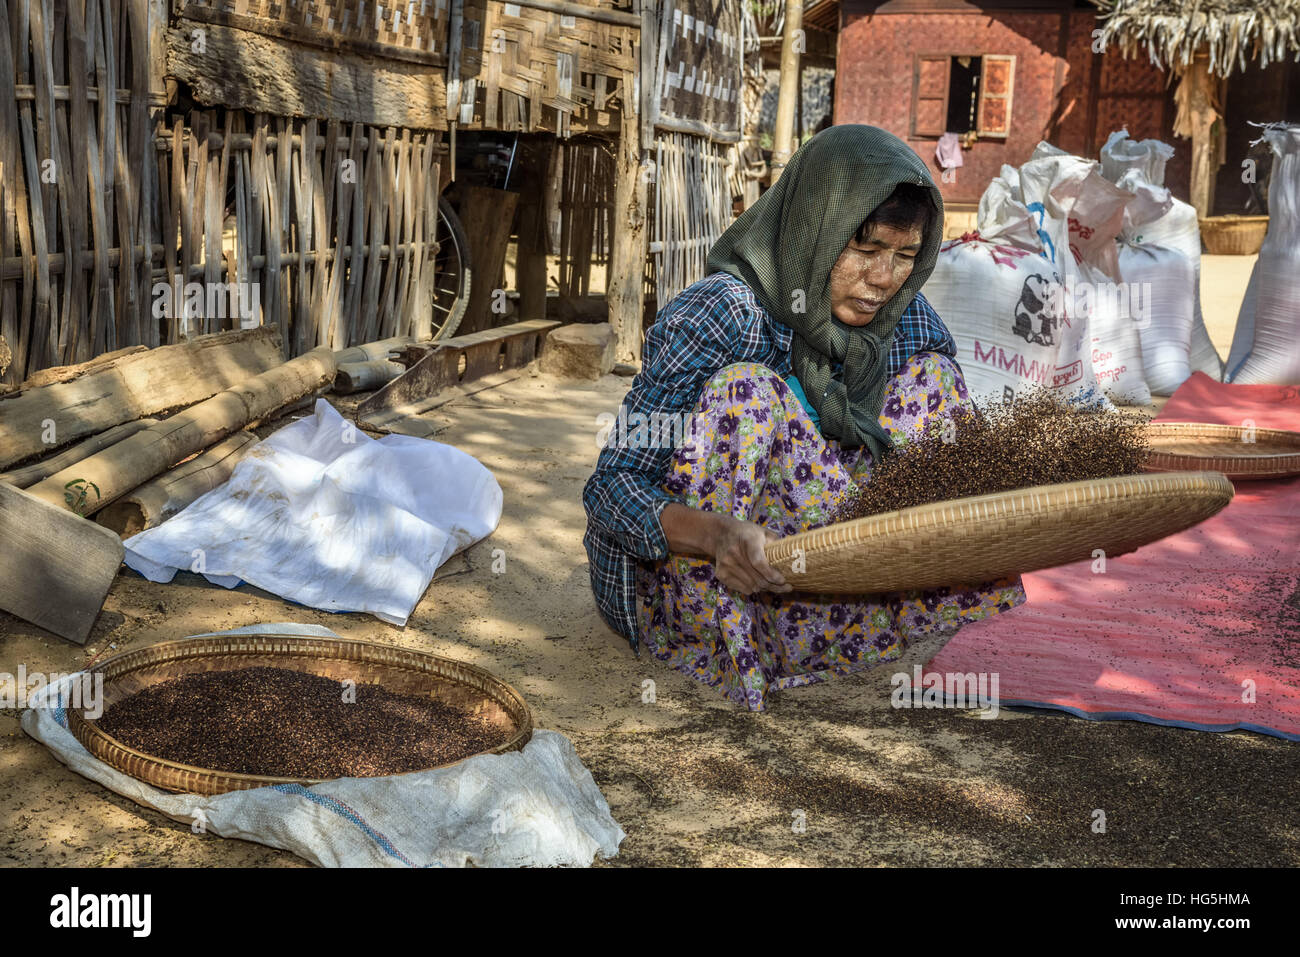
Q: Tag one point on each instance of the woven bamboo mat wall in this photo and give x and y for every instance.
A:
(392, 27)
(536, 69)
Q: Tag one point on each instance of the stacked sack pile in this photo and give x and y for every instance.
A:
(1160, 251)
(1082, 276)
(1266, 342)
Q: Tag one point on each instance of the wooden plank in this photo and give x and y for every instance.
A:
(264, 74)
(135, 386)
(487, 215)
(56, 566)
(491, 357)
(117, 470)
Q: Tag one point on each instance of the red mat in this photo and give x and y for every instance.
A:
(1199, 630)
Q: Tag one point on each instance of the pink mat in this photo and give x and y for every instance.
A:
(1180, 631)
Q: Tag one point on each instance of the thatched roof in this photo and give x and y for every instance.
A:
(1236, 32)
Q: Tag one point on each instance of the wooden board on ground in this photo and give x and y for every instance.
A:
(450, 369)
(55, 567)
(134, 386)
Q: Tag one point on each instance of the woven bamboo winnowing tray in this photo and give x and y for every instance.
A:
(969, 541)
(1236, 451)
(397, 669)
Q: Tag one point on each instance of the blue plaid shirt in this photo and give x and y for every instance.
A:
(709, 325)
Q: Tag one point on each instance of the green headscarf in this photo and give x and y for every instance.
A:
(788, 241)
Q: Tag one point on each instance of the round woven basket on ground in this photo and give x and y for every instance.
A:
(396, 669)
(969, 541)
(1233, 235)
(1237, 452)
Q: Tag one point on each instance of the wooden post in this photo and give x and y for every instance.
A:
(530, 260)
(792, 44)
(487, 215)
(624, 290)
(1197, 112)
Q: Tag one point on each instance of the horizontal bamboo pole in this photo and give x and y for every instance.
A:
(28, 92)
(108, 475)
(244, 142)
(158, 500)
(29, 475)
(13, 265)
(362, 376)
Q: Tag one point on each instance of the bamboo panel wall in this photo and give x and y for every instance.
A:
(78, 177)
(539, 69)
(110, 210)
(699, 78)
(586, 203)
(324, 230)
(692, 208)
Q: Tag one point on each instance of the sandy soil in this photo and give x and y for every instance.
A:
(692, 781)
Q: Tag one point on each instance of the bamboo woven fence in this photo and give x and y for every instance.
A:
(112, 211)
(692, 208)
(586, 204)
(114, 206)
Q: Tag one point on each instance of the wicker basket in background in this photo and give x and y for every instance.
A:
(1233, 235)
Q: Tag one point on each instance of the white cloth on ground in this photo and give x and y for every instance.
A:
(323, 515)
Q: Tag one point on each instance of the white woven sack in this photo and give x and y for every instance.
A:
(997, 301)
(1243, 336)
(1177, 229)
(1148, 158)
(1082, 213)
(1275, 354)
(1165, 280)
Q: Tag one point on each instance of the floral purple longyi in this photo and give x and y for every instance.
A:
(758, 456)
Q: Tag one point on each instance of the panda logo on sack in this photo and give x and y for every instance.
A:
(1036, 300)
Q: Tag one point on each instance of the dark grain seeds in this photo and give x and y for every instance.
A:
(284, 723)
(1038, 440)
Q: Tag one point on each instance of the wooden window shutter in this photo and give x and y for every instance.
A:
(997, 83)
(930, 96)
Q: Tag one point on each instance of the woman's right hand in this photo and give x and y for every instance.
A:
(736, 547)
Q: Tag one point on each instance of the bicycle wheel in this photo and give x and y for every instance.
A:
(451, 282)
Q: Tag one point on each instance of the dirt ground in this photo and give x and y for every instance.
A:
(691, 780)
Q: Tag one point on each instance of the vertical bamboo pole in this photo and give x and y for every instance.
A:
(792, 43)
(624, 288)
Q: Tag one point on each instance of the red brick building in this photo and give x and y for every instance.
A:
(1016, 72)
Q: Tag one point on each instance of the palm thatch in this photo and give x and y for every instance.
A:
(1234, 32)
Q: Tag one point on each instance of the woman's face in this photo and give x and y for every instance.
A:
(868, 273)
